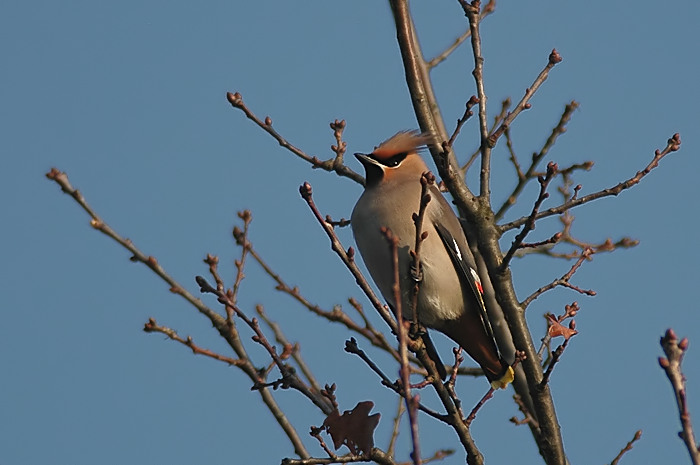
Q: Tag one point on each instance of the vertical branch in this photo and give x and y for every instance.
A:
(423, 98)
(402, 334)
(674, 351)
(416, 69)
(426, 180)
(472, 11)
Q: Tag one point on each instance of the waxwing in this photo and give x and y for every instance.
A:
(450, 293)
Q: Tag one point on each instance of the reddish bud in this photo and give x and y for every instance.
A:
(234, 99)
(554, 57)
(663, 362)
(305, 191)
(683, 345)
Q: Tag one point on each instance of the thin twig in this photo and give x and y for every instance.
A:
(333, 164)
(524, 104)
(627, 448)
(352, 348)
(530, 225)
(376, 455)
(505, 105)
(427, 180)
(556, 356)
(296, 353)
(671, 364)
(519, 357)
(563, 281)
(404, 372)
(527, 416)
(489, 8)
(450, 385)
(473, 12)
(460, 122)
(673, 144)
(247, 217)
(395, 430)
(152, 327)
(529, 174)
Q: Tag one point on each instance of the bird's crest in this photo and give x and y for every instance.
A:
(401, 142)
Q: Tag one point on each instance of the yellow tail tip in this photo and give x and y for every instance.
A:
(505, 380)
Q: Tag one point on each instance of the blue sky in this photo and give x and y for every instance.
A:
(129, 99)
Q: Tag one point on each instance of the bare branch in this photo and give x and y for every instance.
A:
(376, 455)
(563, 281)
(472, 11)
(627, 448)
(505, 105)
(152, 327)
(402, 334)
(348, 258)
(529, 174)
(556, 356)
(289, 377)
(336, 315)
(333, 164)
(530, 225)
(489, 8)
(427, 179)
(673, 144)
(295, 351)
(675, 350)
(460, 121)
(395, 429)
(524, 104)
(519, 357)
(228, 332)
(352, 348)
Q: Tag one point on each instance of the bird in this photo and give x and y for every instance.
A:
(450, 294)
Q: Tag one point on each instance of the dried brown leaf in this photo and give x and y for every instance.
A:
(354, 428)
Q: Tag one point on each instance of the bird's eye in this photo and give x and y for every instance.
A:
(395, 160)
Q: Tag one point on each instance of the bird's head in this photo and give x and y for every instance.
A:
(395, 159)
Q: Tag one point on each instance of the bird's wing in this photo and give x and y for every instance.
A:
(466, 268)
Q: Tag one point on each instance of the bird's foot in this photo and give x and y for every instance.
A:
(416, 331)
(416, 274)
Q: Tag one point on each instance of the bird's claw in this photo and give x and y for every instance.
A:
(416, 331)
(416, 274)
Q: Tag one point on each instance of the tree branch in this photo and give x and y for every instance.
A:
(228, 332)
(675, 350)
(673, 144)
(334, 164)
(524, 178)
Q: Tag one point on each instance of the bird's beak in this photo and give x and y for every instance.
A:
(374, 171)
(366, 159)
